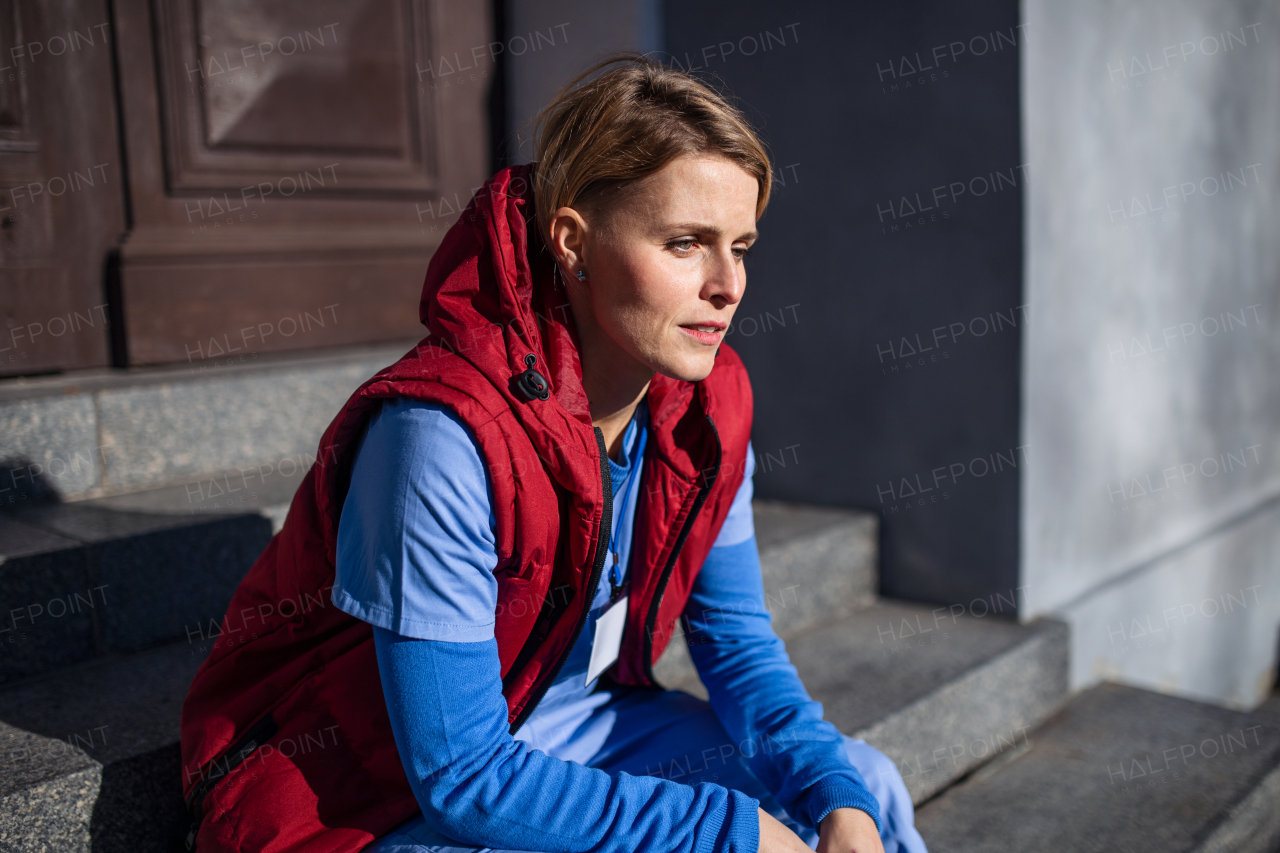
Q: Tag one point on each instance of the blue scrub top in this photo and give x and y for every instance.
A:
(417, 548)
(416, 558)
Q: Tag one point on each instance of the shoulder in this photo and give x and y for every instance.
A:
(432, 372)
(418, 418)
(410, 438)
(420, 422)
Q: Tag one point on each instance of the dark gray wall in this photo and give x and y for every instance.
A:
(574, 35)
(845, 415)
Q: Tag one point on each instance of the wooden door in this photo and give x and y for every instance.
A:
(292, 166)
(61, 192)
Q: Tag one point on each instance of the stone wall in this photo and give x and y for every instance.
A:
(1152, 408)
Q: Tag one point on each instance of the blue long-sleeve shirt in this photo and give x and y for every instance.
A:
(478, 785)
(414, 546)
(757, 694)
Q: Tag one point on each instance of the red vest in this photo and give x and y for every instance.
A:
(286, 741)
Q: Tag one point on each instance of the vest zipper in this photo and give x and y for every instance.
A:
(218, 767)
(703, 490)
(602, 546)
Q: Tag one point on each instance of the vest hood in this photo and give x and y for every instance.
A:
(487, 300)
(491, 297)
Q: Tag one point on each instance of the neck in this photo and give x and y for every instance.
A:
(614, 382)
(613, 404)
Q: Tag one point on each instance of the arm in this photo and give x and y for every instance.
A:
(478, 785)
(754, 688)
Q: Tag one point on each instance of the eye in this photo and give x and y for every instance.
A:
(682, 245)
(742, 253)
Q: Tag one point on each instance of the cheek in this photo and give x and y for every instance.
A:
(639, 324)
(648, 299)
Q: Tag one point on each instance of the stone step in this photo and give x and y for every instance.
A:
(92, 433)
(818, 563)
(1120, 768)
(127, 572)
(938, 690)
(123, 573)
(82, 580)
(89, 756)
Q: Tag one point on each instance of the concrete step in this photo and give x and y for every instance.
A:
(938, 690)
(1123, 769)
(91, 433)
(85, 580)
(818, 563)
(123, 573)
(89, 756)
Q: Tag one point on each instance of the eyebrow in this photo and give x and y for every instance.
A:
(703, 228)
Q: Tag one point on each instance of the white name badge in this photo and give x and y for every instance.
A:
(608, 638)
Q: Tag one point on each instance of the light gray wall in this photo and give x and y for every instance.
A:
(583, 31)
(1135, 114)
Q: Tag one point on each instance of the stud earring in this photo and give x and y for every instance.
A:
(582, 275)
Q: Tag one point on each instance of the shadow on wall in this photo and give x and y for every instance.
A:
(23, 485)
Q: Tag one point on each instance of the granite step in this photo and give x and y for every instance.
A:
(90, 433)
(114, 575)
(89, 756)
(1120, 768)
(82, 581)
(124, 573)
(818, 563)
(937, 689)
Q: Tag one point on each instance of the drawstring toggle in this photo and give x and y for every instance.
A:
(531, 383)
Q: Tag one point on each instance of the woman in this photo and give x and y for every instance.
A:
(573, 416)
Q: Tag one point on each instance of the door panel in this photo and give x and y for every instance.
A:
(282, 155)
(256, 90)
(61, 190)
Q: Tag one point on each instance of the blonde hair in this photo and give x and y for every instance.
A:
(598, 136)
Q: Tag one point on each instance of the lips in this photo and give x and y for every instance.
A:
(707, 332)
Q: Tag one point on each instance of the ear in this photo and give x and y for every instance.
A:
(568, 241)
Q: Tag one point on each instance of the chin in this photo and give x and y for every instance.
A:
(690, 369)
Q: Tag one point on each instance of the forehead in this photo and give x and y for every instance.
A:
(693, 188)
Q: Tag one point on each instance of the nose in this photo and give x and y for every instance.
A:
(726, 278)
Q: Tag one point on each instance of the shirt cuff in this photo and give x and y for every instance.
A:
(833, 792)
(736, 831)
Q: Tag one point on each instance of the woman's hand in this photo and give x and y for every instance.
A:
(775, 837)
(847, 830)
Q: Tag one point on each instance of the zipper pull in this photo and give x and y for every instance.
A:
(614, 586)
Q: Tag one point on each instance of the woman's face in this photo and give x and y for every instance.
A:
(665, 271)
